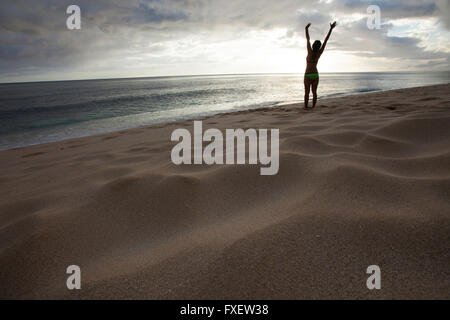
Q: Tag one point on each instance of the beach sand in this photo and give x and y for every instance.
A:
(363, 180)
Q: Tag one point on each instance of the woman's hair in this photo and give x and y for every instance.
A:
(316, 46)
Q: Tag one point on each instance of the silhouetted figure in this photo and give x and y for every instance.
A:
(311, 73)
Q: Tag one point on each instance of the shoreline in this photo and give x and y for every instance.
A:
(281, 104)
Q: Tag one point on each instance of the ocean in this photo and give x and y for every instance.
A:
(39, 112)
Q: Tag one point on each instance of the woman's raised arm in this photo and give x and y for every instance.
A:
(332, 26)
(308, 43)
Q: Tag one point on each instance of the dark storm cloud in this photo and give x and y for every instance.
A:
(395, 9)
(34, 38)
(146, 14)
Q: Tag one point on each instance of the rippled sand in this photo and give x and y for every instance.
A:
(363, 180)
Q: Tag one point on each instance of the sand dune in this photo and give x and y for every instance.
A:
(363, 180)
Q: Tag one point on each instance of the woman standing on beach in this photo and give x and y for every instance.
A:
(311, 74)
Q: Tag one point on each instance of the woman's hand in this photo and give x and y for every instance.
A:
(332, 25)
(307, 26)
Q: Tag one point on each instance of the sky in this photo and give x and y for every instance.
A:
(138, 38)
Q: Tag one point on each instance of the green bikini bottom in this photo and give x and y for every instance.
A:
(312, 76)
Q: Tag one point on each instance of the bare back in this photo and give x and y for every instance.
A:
(311, 62)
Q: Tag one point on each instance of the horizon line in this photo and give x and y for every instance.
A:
(209, 75)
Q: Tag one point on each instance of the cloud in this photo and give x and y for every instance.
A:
(444, 12)
(35, 41)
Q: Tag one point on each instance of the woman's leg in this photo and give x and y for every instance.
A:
(314, 85)
(307, 83)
